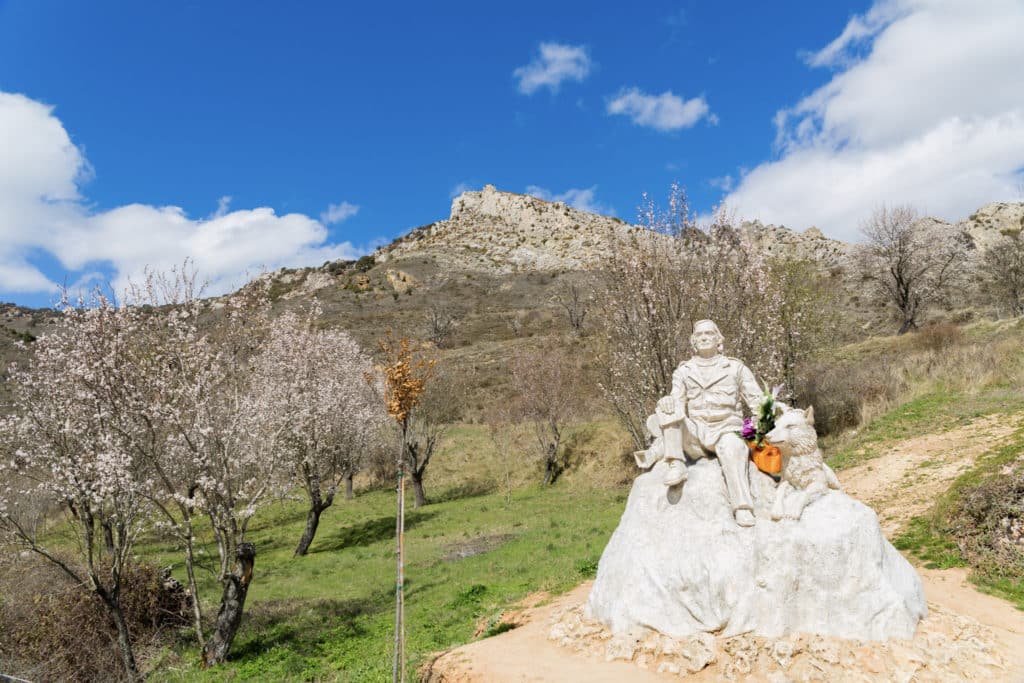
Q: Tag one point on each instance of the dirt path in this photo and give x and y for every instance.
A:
(899, 484)
(907, 477)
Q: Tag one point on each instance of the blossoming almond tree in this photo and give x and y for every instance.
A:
(183, 404)
(309, 395)
(664, 276)
(69, 451)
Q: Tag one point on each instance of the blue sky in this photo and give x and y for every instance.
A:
(259, 134)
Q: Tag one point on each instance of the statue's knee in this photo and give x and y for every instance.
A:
(732, 446)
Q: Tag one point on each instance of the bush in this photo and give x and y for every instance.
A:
(988, 524)
(938, 337)
(55, 629)
(365, 263)
(840, 390)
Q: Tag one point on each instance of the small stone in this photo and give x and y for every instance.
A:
(621, 647)
(782, 652)
(669, 668)
(826, 651)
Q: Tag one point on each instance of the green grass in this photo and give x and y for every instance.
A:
(934, 549)
(934, 412)
(329, 615)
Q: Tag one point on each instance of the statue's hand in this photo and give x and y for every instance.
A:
(667, 404)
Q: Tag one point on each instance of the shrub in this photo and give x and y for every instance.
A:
(988, 524)
(365, 263)
(839, 391)
(54, 629)
(938, 336)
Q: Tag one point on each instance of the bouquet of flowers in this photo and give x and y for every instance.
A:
(766, 457)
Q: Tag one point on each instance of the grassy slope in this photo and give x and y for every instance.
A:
(983, 374)
(330, 615)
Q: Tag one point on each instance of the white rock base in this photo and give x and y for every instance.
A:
(680, 565)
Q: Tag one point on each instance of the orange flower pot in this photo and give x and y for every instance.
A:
(767, 458)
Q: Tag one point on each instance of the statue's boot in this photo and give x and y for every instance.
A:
(676, 473)
(745, 517)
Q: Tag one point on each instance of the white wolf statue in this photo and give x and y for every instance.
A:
(804, 472)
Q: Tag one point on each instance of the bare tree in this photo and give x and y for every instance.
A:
(807, 315)
(547, 382)
(441, 323)
(505, 434)
(439, 407)
(910, 263)
(1002, 272)
(514, 321)
(576, 306)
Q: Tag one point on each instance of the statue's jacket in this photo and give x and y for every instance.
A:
(713, 394)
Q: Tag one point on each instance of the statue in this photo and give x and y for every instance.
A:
(701, 417)
(683, 560)
(805, 476)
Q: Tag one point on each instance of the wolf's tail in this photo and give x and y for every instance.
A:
(831, 478)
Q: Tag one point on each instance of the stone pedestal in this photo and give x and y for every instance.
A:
(679, 564)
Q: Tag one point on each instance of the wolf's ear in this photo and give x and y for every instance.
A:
(810, 415)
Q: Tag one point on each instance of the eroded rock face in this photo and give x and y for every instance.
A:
(679, 564)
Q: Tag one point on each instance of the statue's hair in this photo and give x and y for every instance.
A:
(721, 337)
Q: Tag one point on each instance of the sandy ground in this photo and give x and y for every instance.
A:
(901, 483)
(908, 476)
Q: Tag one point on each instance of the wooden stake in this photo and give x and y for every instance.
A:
(398, 671)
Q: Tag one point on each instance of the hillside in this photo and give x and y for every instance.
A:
(497, 267)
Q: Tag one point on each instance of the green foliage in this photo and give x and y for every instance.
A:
(587, 568)
(25, 337)
(365, 263)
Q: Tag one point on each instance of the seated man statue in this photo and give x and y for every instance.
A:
(703, 413)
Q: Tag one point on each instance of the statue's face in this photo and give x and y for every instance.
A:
(705, 339)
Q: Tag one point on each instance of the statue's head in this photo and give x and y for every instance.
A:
(707, 339)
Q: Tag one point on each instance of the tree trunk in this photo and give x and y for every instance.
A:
(124, 643)
(193, 589)
(417, 487)
(551, 470)
(907, 326)
(124, 640)
(349, 494)
(108, 536)
(312, 522)
(232, 602)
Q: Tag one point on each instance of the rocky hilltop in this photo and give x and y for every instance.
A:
(505, 232)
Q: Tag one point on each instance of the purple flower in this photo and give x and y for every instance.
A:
(749, 431)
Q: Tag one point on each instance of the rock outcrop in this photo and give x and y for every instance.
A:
(507, 232)
(679, 564)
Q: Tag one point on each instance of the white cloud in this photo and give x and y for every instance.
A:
(43, 211)
(724, 183)
(336, 213)
(555, 64)
(664, 112)
(926, 107)
(459, 189)
(582, 199)
(223, 204)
